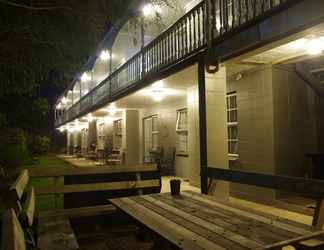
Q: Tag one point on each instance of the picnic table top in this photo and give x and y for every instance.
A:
(195, 221)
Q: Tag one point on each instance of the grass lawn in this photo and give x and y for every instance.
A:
(46, 202)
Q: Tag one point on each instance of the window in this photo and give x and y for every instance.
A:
(117, 137)
(232, 125)
(182, 131)
(151, 136)
(101, 136)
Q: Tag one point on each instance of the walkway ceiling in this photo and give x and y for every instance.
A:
(173, 88)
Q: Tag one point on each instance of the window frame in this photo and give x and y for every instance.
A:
(182, 132)
(230, 107)
(154, 132)
(117, 134)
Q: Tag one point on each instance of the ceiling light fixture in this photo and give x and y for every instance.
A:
(89, 118)
(85, 77)
(157, 91)
(104, 55)
(149, 9)
(63, 100)
(315, 47)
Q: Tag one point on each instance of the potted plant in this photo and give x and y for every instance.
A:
(175, 186)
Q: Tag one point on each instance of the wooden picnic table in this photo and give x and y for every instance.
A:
(196, 221)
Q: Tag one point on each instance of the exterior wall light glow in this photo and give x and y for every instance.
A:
(150, 9)
(104, 55)
(108, 119)
(85, 77)
(71, 129)
(157, 96)
(62, 129)
(158, 85)
(64, 101)
(59, 106)
(158, 91)
(315, 46)
(89, 118)
(112, 109)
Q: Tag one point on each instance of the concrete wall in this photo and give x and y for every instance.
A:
(255, 129)
(279, 121)
(193, 136)
(167, 117)
(295, 122)
(216, 125)
(298, 122)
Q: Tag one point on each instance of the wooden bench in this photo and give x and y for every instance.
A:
(46, 233)
(54, 228)
(308, 187)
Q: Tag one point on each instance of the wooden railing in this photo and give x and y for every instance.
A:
(309, 187)
(205, 24)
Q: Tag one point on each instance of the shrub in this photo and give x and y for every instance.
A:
(40, 145)
(13, 148)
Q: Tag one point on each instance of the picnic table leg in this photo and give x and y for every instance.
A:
(318, 219)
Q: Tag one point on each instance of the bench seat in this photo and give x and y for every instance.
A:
(56, 234)
(78, 212)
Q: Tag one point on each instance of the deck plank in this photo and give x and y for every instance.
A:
(238, 219)
(182, 237)
(249, 228)
(196, 221)
(256, 216)
(56, 234)
(203, 224)
(219, 237)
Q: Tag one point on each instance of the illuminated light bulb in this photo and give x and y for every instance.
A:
(158, 85)
(157, 95)
(89, 118)
(148, 9)
(71, 129)
(104, 55)
(298, 44)
(85, 77)
(64, 100)
(59, 106)
(112, 109)
(315, 47)
(108, 119)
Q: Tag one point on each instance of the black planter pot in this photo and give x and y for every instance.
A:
(175, 187)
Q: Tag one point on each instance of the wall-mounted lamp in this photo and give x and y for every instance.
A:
(85, 77)
(315, 46)
(104, 55)
(149, 9)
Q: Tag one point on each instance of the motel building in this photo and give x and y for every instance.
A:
(219, 83)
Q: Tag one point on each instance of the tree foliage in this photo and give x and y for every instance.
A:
(43, 43)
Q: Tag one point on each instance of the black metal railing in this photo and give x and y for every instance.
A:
(227, 15)
(209, 21)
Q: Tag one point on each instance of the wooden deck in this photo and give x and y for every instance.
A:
(195, 221)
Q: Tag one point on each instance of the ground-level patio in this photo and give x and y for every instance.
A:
(294, 209)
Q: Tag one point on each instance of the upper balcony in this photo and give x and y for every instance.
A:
(144, 48)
